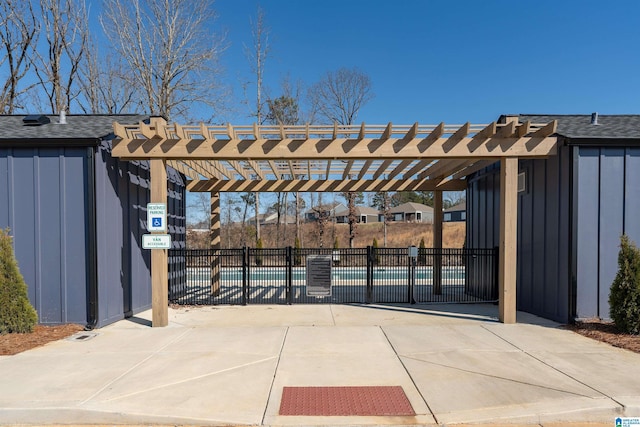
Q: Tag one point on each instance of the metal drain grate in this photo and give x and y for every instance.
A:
(82, 336)
(345, 401)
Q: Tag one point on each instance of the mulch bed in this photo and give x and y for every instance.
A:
(11, 344)
(606, 332)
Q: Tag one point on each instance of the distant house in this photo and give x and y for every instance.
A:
(410, 212)
(455, 213)
(284, 219)
(364, 215)
(327, 209)
(77, 216)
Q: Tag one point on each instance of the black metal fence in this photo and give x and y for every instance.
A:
(361, 275)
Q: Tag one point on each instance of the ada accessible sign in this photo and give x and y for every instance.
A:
(156, 241)
(157, 217)
(318, 275)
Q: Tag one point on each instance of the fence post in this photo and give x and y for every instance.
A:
(496, 273)
(370, 260)
(245, 274)
(437, 271)
(289, 273)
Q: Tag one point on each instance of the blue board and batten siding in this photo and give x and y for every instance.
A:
(46, 202)
(43, 203)
(571, 215)
(608, 202)
(122, 190)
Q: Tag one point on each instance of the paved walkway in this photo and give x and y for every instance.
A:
(228, 365)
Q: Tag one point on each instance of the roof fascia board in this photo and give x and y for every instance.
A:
(603, 142)
(51, 142)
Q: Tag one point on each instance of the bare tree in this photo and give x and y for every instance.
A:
(340, 94)
(338, 97)
(66, 36)
(170, 51)
(103, 85)
(18, 35)
(257, 57)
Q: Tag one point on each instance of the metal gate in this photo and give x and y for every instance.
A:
(360, 275)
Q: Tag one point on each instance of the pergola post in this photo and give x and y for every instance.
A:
(508, 239)
(159, 259)
(216, 242)
(437, 242)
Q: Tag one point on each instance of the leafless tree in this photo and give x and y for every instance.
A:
(103, 85)
(18, 35)
(171, 52)
(64, 23)
(257, 56)
(338, 97)
(340, 94)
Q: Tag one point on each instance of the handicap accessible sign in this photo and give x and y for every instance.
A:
(157, 217)
(627, 422)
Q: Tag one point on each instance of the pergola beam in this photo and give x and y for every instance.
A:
(330, 149)
(331, 185)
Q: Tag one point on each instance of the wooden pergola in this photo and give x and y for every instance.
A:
(337, 158)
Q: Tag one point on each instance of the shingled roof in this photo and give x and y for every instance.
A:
(579, 126)
(83, 128)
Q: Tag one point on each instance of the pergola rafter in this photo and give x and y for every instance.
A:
(366, 151)
(339, 158)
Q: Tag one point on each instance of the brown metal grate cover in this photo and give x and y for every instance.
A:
(345, 401)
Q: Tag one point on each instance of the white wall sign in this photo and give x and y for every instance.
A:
(156, 241)
(157, 217)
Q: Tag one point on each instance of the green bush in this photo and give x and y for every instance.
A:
(16, 313)
(259, 247)
(422, 253)
(297, 256)
(624, 295)
(374, 249)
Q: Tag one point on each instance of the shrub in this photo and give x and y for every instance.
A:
(374, 249)
(335, 243)
(624, 295)
(297, 257)
(259, 246)
(422, 253)
(17, 315)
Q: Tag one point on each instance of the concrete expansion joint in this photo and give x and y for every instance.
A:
(134, 367)
(413, 381)
(621, 405)
(273, 378)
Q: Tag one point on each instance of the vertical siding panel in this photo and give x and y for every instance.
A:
(563, 262)
(538, 222)
(482, 210)
(475, 215)
(24, 227)
(553, 215)
(587, 217)
(490, 212)
(74, 172)
(525, 244)
(5, 206)
(611, 218)
(49, 236)
(632, 194)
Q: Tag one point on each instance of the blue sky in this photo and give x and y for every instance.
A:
(446, 61)
(433, 61)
